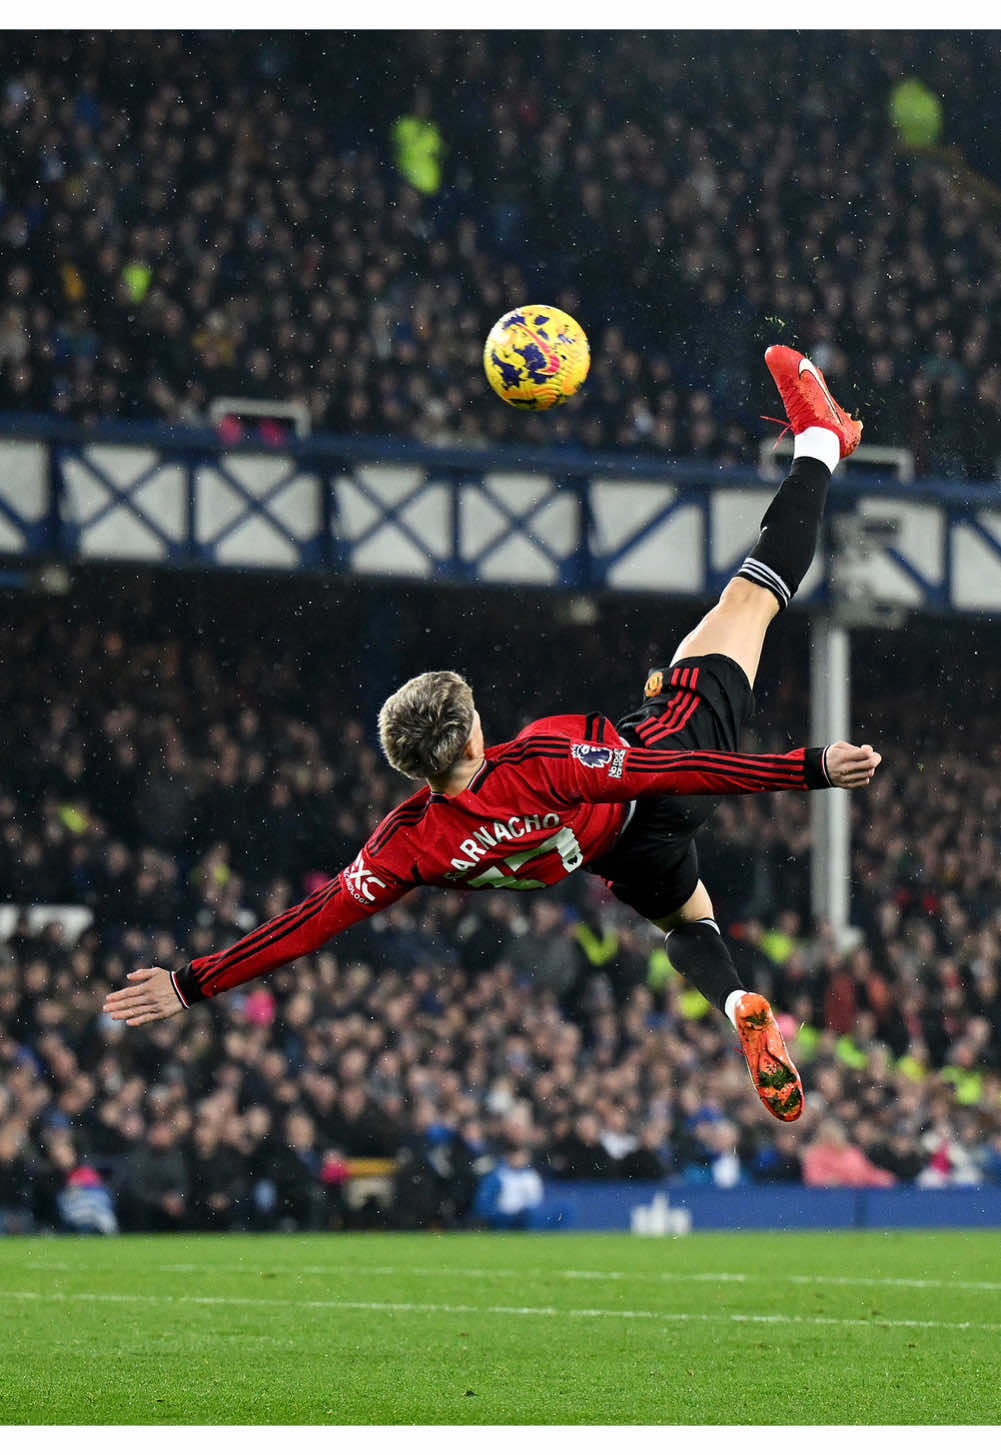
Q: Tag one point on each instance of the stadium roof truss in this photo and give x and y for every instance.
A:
(506, 517)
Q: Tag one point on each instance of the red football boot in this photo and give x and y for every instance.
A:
(775, 1078)
(807, 399)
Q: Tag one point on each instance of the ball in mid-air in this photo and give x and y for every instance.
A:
(536, 357)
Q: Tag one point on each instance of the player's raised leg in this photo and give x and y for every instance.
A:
(698, 952)
(781, 556)
(735, 628)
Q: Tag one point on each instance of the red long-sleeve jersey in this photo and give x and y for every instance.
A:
(555, 798)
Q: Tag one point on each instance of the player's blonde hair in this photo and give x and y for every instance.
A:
(426, 724)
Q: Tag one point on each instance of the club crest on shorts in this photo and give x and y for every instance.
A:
(591, 755)
(654, 685)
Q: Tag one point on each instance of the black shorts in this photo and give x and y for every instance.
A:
(697, 702)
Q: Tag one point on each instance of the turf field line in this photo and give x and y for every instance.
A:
(519, 1311)
(598, 1275)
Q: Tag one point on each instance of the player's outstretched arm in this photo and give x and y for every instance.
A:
(617, 775)
(361, 890)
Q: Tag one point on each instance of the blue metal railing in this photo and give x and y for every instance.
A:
(552, 517)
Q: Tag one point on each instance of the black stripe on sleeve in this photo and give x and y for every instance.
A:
(791, 775)
(517, 749)
(407, 813)
(270, 934)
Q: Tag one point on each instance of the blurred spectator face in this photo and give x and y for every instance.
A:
(132, 1126)
(13, 1140)
(587, 1129)
(831, 1134)
(161, 1136)
(59, 1147)
(258, 1122)
(547, 916)
(299, 1011)
(300, 1131)
(206, 1141)
(353, 1065)
(654, 1135)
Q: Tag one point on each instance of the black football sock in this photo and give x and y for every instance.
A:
(781, 556)
(696, 950)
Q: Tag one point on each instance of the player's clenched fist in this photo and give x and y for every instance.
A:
(850, 767)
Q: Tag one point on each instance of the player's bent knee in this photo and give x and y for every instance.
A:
(735, 627)
(698, 907)
(746, 596)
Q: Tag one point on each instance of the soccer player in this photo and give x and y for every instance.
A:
(574, 791)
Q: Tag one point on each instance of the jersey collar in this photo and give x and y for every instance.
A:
(469, 788)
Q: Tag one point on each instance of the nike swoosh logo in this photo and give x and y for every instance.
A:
(805, 367)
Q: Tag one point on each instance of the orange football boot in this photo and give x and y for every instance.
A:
(775, 1078)
(807, 399)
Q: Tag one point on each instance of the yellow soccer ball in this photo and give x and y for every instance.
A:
(536, 357)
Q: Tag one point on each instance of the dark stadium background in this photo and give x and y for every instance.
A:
(186, 751)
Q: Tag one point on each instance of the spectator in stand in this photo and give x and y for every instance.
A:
(302, 1200)
(713, 1157)
(579, 1153)
(217, 1180)
(435, 1183)
(650, 1160)
(156, 1184)
(510, 1197)
(900, 1155)
(830, 1160)
(547, 955)
(421, 1034)
(158, 253)
(779, 1160)
(19, 1178)
(991, 1160)
(359, 1127)
(79, 1200)
(952, 1145)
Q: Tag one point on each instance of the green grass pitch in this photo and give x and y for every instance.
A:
(866, 1329)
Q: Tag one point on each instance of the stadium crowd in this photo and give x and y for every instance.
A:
(338, 220)
(335, 221)
(472, 1040)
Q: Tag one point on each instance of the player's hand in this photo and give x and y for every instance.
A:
(150, 997)
(851, 767)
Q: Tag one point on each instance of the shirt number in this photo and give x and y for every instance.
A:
(564, 843)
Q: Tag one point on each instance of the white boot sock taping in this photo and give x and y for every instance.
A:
(817, 443)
